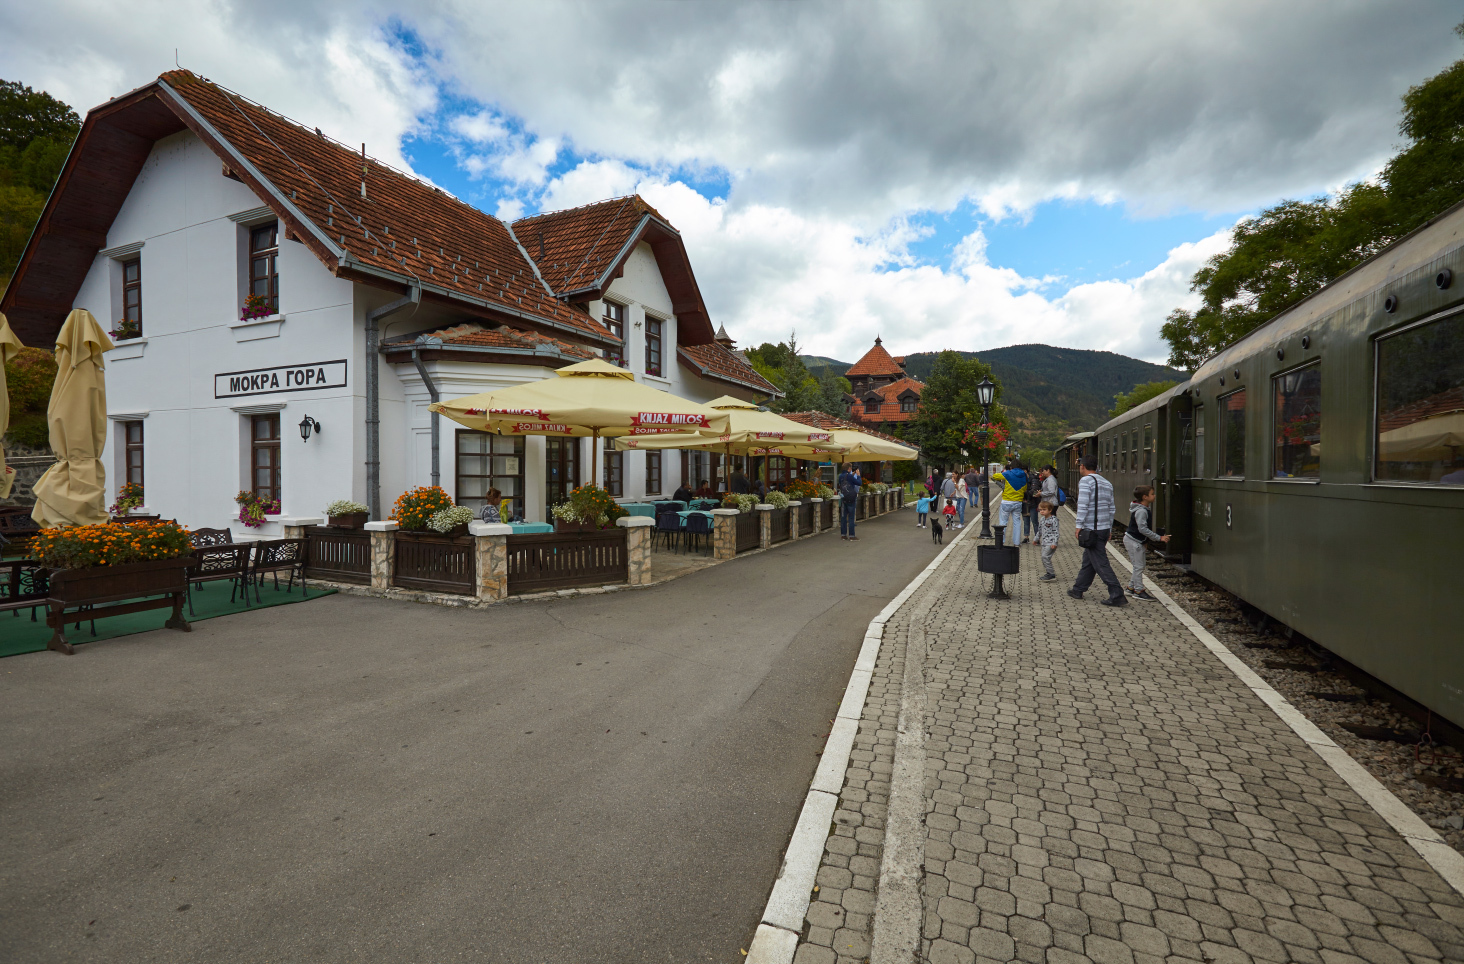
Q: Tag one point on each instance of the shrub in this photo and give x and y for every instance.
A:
(589, 504)
(825, 492)
(802, 489)
(110, 544)
(416, 507)
(745, 502)
(345, 507)
(29, 375)
(449, 519)
(778, 500)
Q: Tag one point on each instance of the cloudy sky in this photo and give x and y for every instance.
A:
(947, 175)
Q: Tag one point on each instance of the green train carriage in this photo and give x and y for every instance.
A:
(1315, 467)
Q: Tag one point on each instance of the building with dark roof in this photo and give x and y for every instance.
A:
(375, 290)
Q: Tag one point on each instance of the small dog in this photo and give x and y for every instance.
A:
(936, 532)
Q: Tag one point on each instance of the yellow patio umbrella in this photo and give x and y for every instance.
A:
(73, 491)
(591, 398)
(750, 431)
(9, 345)
(862, 447)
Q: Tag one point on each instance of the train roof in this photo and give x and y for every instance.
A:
(1413, 253)
(1158, 401)
(1075, 437)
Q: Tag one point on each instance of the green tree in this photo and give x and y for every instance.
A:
(36, 132)
(1138, 395)
(802, 391)
(948, 408)
(1292, 250)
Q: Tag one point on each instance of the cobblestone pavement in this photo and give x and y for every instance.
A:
(1099, 787)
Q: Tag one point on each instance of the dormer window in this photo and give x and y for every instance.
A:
(871, 406)
(909, 403)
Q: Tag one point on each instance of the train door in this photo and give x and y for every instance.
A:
(1174, 467)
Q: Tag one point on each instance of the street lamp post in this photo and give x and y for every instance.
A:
(985, 394)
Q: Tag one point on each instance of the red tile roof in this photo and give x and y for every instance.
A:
(1449, 400)
(576, 247)
(889, 408)
(506, 337)
(876, 361)
(713, 361)
(829, 422)
(404, 227)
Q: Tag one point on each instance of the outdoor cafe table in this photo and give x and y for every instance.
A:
(640, 508)
(683, 515)
(525, 528)
(706, 503)
(670, 504)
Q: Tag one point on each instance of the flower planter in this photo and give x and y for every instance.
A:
(98, 586)
(562, 526)
(352, 520)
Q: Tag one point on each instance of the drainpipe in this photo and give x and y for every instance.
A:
(428, 341)
(373, 394)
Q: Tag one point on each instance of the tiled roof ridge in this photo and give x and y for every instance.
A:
(376, 163)
(706, 357)
(876, 356)
(824, 420)
(633, 196)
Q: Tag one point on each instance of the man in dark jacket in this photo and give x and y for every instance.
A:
(682, 494)
(739, 483)
(848, 502)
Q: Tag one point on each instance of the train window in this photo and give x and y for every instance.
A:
(1148, 448)
(1298, 423)
(1419, 435)
(1134, 451)
(1123, 452)
(1232, 435)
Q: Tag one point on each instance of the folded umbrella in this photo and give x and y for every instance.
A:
(73, 491)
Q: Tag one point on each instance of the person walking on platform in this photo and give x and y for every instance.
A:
(848, 501)
(1049, 488)
(1029, 509)
(947, 491)
(1095, 519)
(962, 497)
(1013, 491)
(1134, 538)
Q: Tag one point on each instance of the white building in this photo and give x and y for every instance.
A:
(180, 198)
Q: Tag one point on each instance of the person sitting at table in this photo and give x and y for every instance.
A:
(682, 494)
(489, 512)
(704, 491)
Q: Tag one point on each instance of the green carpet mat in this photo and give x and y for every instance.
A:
(19, 635)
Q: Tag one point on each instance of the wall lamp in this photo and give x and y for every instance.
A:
(307, 424)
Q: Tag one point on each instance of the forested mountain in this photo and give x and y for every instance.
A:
(36, 131)
(1049, 392)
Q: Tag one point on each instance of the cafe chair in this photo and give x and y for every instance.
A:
(276, 556)
(698, 526)
(218, 562)
(203, 538)
(668, 525)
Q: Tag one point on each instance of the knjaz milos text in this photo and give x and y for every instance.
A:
(282, 378)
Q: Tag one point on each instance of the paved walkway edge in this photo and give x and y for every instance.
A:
(1445, 860)
(777, 935)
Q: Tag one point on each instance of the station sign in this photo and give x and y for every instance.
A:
(281, 378)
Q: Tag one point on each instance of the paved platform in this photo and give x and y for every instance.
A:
(1098, 786)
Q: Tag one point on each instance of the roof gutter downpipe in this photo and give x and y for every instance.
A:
(427, 341)
(373, 393)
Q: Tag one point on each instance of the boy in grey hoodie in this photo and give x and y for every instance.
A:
(1135, 535)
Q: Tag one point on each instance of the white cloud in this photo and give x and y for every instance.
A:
(589, 181)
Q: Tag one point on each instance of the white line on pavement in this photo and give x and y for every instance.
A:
(776, 939)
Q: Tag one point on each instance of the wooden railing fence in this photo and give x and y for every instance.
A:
(749, 531)
(338, 554)
(435, 562)
(542, 561)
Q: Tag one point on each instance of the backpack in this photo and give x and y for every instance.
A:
(848, 490)
(1061, 496)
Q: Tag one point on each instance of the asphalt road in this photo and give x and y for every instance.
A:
(603, 778)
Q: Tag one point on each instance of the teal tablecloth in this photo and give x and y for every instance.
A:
(640, 508)
(706, 503)
(683, 515)
(524, 528)
(669, 504)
